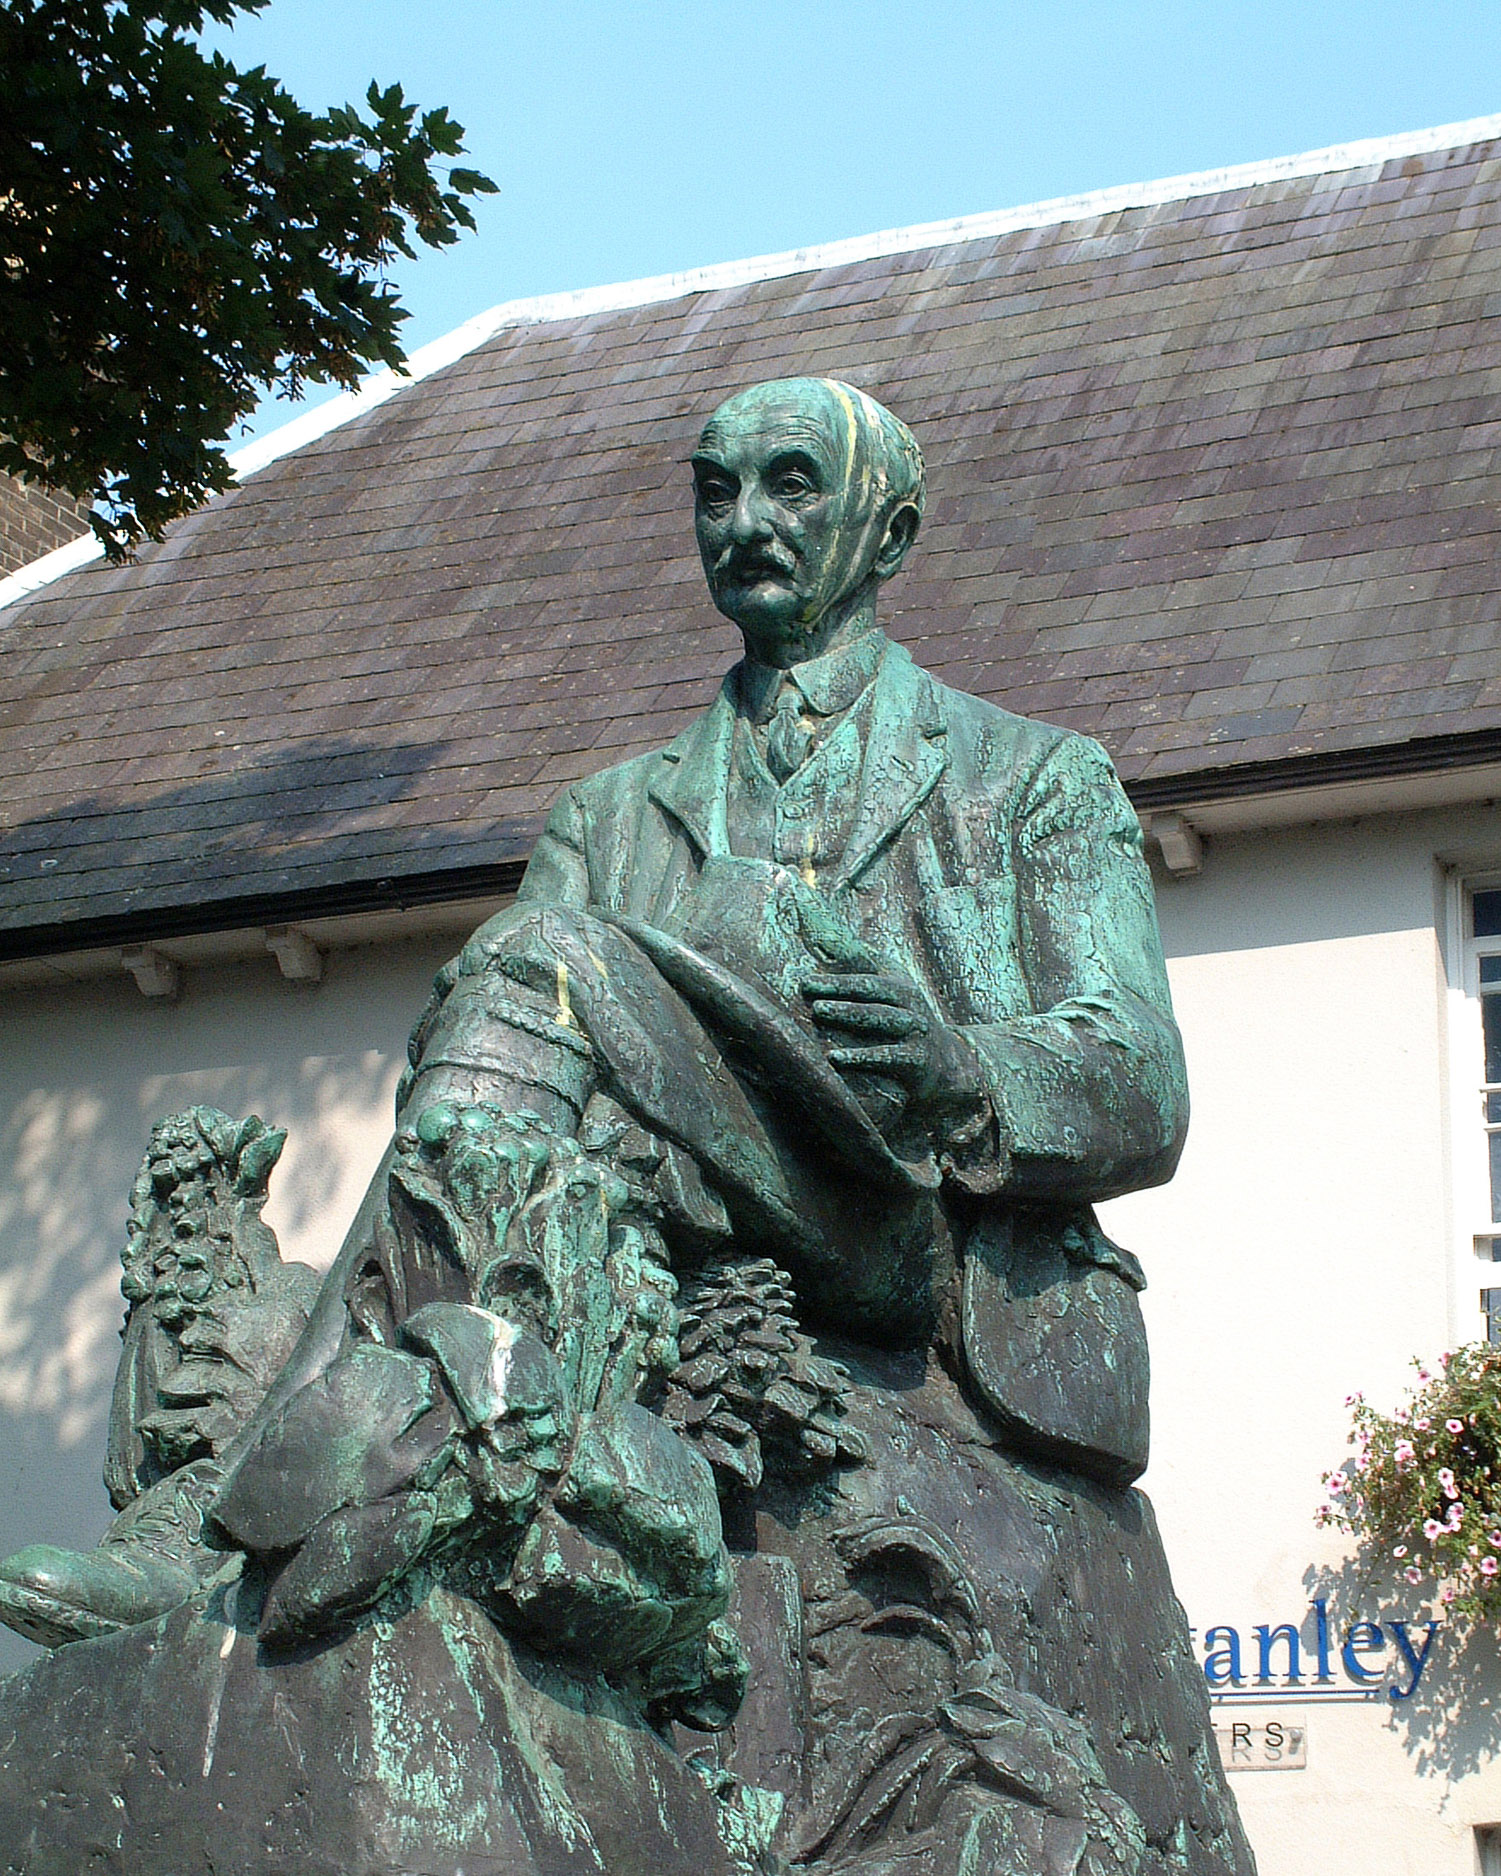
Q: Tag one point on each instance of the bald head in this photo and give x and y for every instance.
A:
(809, 494)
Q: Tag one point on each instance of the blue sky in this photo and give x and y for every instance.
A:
(636, 139)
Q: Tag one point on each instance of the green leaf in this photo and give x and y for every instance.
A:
(182, 235)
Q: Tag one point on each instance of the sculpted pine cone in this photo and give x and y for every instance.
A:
(750, 1393)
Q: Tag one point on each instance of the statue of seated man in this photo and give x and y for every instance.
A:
(728, 1318)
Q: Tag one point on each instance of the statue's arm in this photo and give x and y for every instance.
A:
(557, 873)
(1089, 1091)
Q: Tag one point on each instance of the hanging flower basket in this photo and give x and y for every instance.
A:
(1424, 1487)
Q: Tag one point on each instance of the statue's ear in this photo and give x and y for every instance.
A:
(901, 531)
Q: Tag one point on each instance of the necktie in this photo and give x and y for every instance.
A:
(788, 738)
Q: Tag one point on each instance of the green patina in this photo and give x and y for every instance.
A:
(711, 1445)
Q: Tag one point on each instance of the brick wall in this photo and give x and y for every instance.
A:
(34, 520)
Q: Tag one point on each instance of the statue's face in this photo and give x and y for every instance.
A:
(786, 529)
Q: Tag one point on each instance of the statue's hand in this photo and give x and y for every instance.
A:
(878, 1023)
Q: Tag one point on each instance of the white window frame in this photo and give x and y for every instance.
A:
(1474, 1232)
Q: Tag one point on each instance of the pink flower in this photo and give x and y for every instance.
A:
(1423, 1375)
(1402, 1452)
(1456, 1517)
(1454, 1426)
(1335, 1483)
(1433, 1530)
(1422, 1424)
(1416, 1576)
(1446, 1480)
(1489, 1566)
(1493, 1538)
(1399, 1550)
(1447, 1593)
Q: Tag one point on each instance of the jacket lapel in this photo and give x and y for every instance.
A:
(692, 775)
(905, 753)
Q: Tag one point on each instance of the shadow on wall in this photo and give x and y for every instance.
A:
(83, 1075)
(1450, 1726)
(67, 1159)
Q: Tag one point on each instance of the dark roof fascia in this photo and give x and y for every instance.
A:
(1429, 755)
(389, 893)
(1422, 755)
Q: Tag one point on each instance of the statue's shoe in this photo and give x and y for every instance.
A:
(53, 1596)
(152, 1558)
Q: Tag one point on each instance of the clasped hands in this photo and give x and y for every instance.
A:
(878, 1023)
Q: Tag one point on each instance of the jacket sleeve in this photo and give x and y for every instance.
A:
(1089, 1090)
(557, 873)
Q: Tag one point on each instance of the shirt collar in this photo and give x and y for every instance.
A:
(829, 683)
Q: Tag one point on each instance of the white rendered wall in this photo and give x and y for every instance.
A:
(83, 1074)
(1304, 1252)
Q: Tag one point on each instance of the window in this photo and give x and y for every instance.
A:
(1488, 1848)
(1485, 985)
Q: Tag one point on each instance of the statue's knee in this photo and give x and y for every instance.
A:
(503, 1044)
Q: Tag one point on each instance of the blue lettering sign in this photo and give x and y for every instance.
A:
(1265, 1638)
(1222, 1664)
(1362, 1638)
(1359, 1648)
(1321, 1634)
(1414, 1660)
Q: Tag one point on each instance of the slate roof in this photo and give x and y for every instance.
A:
(1215, 479)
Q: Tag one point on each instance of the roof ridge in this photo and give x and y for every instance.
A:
(544, 309)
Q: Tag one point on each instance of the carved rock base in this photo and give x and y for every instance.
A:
(424, 1747)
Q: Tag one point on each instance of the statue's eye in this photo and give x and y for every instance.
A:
(715, 491)
(792, 483)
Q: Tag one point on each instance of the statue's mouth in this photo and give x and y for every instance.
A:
(739, 568)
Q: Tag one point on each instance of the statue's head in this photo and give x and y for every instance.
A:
(809, 494)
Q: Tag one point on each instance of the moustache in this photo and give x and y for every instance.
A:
(749, 563)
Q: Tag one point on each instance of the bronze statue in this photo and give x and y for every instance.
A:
(726, 1378)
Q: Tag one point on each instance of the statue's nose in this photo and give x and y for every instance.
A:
(751, 519)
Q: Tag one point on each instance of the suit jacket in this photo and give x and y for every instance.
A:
(997, 862)
(994, 860)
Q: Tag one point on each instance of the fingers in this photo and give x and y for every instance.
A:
(861, 987)
(903, 1061)
(873, 1019)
